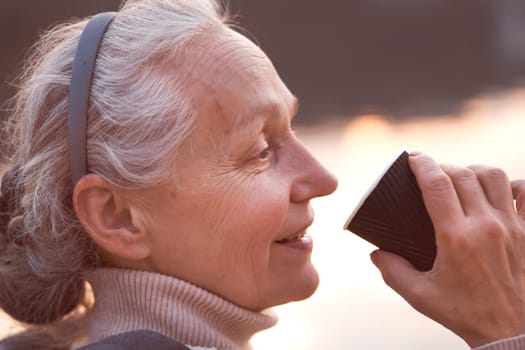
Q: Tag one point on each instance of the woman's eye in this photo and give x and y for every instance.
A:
(265, 154)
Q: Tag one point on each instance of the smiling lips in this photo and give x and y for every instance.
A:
(293, 238)
(300, 243)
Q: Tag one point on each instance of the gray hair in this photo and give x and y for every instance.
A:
(139, 115)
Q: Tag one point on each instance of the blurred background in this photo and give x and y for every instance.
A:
(373, 76)
(400, 58)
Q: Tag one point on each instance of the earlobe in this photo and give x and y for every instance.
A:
(111, 219)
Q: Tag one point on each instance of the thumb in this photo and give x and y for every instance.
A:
(397, 272)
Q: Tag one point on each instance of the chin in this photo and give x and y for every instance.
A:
(307, 284)
(301, 285)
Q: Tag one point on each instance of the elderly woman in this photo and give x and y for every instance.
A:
(158, 197)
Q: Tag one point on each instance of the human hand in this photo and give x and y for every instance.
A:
(476, 287)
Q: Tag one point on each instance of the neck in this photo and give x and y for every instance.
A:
(127, 300)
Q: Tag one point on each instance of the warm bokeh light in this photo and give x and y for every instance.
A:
(353, 309)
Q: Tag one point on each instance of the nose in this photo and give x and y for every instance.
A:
(311, 178)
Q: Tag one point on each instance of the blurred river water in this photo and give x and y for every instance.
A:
(353, 308)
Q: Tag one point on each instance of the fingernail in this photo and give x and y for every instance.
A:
(415, 153)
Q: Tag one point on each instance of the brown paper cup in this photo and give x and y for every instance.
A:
(392, 216)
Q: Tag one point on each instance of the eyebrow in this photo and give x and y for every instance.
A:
(271, 108)
(274, 107)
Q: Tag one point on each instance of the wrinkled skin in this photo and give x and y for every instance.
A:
(477, 284)
(243, 183)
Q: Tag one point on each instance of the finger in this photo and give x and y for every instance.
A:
(468, 189)
(397, 273)
(496, 187)
(439, 195)
(518, 193)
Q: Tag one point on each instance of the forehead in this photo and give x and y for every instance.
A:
(236, 84)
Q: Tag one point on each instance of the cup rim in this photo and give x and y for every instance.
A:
(371, 188)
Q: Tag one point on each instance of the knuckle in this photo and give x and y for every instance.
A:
(462, 175)
(462, 241)
(457, 237)
(493, 174)
(494, 228)
(438, 181)
(467, 238)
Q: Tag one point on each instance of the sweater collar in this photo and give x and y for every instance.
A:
(127, 300)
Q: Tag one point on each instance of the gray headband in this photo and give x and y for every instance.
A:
(79, 91)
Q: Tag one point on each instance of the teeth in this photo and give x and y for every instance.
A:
(299, 236)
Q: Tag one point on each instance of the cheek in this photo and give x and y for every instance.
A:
(249, 216)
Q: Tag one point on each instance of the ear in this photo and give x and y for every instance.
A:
(111, 219)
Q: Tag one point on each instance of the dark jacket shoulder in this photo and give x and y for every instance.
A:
(143, 339)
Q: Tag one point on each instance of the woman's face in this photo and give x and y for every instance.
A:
(235, 219)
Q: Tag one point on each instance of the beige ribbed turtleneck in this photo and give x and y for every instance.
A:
(127, 300)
